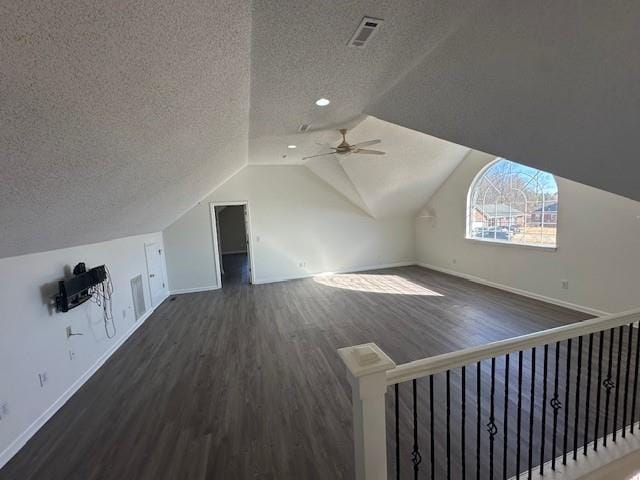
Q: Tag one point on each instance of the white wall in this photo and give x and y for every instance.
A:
(598, 245)
(33, 337)
(295, 217)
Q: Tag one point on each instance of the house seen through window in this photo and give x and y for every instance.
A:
(513, 203)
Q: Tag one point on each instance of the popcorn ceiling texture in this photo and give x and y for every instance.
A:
(397, 184)
(116, 117)
(300, 53)
(551, 84)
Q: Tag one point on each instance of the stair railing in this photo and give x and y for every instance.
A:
(515, 408)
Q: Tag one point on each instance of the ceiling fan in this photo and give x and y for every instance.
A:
(345, 148)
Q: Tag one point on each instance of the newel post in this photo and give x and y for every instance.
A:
(366, 366)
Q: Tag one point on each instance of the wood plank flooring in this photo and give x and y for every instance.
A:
(245, 382)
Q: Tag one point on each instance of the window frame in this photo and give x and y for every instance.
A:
(489, 241)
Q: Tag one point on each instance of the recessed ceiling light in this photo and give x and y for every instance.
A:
(322, 102)
(291, 146)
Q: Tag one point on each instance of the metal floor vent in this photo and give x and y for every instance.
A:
(368, 26)
(139, 307)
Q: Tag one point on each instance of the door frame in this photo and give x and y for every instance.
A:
(160, 247)
(216, 246)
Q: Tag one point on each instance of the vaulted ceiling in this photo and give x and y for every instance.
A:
(117, 118)
(398, 183)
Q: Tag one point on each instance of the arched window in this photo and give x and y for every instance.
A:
(513, 203)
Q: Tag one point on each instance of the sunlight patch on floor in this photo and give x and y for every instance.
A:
(390, 284)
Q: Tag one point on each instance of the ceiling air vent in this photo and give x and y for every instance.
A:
(304, 127)
(368, 26)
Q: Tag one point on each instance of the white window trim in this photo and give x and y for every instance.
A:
(488, 241)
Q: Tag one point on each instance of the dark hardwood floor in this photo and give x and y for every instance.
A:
(245, 382)
(236, 269)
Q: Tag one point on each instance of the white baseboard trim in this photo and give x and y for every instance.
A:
(32, 429)
(263, 280)
(524, 293)
(604, 460)
(194, 290)
(233, 252)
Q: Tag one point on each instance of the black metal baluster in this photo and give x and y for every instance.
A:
(543, 422)
(397, 408)
(588, 396)
(519, 430)
(556, 405)
(479, 417)
(565, 443)
(505, 421)
(491, 426)
(599, 391)
(463, 430)
(433, 428)
(532, 409)
(415, 455)
(577, 403)
(448, 374)
(616, 400)
(608, 385)
(634, 399)
(626, 380)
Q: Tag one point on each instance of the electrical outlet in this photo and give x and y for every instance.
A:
(43, 379)
(454, 260)
(4, 410)
(124, 314)
(565, 284)
(72, 354)
(302, 264)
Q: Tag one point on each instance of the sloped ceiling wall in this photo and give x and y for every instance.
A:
(398, 183)
(555, 85)
(115, 118)
(300, 54)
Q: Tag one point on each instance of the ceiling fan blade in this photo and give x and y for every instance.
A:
(369, 152)
(319, 155)
(366, 144)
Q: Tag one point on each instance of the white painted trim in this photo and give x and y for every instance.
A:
(504, 243)
(448, 361)
(593, 461)
(524, 293)
(194, 290)
(367, 365)
(214, 232)
(32, 429)
(347, 270)
(233, 252)
(477, 177)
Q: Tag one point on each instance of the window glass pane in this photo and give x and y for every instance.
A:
(513, 203)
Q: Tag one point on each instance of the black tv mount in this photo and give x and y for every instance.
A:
(75, 291)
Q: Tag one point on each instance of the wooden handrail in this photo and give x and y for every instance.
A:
(441, 363)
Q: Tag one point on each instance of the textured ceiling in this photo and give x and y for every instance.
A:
(555, 85)
(116, 117)
(300, 54)
(398, 183)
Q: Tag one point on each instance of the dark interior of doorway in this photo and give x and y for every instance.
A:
(233, 245)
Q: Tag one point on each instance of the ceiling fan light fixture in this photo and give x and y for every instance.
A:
(322, 102)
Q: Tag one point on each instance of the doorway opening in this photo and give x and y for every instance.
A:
(231, 238)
